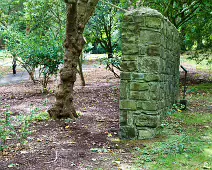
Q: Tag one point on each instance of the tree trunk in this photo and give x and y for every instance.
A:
(80, 70)
(78, 14)
(199, 43)
(183, 36)
(74, 43)
(14, 65)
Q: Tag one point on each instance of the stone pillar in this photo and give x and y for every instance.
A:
(150, 72)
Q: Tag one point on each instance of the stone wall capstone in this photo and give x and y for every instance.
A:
(150, 72)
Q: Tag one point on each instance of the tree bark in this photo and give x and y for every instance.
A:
(78, 14)
(80, 70)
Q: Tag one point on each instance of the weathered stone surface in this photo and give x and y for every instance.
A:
(149, 65)
(139, 95)
(154, 86)
(150, 72)
(125, 75)
(147, 105)
(139, 19)
(152, 77)
(138, 76)
(130, 49)
(146, 121)
(153, 50)
(128, 104)
(134, 86)
(153, 22)
(146, 133)
(128, 132)
(129, 57)
(123, 89)
(129, 66)
(142, 50)
(149, 37)
(123, 117)
(128, 19)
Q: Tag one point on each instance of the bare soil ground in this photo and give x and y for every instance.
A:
(64, 145)
(90, 142)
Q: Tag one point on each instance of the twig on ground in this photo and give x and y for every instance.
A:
(53, 160)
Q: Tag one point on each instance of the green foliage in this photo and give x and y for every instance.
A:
(17, 128)
(192, 18)
(176, 108)
(192, 119)
(10, 130)
(35, 36)
(103, 29)
(42, 116)
(43, 52)
(116, 61)
(198, 29)
(200, 56)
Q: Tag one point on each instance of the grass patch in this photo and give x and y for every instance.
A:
(190, 119)
(188, 139)
(5, 70)
(187, 148)
(201, 62)
(201, 88)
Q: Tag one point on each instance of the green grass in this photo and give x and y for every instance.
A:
(204, 65)
(201, 88)
(194, 118)
(188, 135)
(188, 148)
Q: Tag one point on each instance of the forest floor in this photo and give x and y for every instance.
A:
(91, 141)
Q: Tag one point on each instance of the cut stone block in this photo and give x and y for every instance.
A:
(146, 121)
(139, 86)
(146, 133)
(128, 104)
(128, 132)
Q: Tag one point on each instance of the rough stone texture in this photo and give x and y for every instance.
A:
(150, 72)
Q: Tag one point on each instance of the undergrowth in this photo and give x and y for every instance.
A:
(17, 128)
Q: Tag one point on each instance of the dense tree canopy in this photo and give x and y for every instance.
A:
(192, 18)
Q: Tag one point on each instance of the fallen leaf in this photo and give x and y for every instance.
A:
(39, 140)
(67, 127)
(109, 135)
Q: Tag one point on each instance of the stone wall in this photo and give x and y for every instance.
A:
(150, 72)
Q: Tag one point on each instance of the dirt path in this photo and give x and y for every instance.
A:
(12, 79)
(22, 76)
(195, 75)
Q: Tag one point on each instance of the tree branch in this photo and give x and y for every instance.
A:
(186, 18)
(70, 1)
(168, 7)
(91, 4)
(115, 6)
(189, 7)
